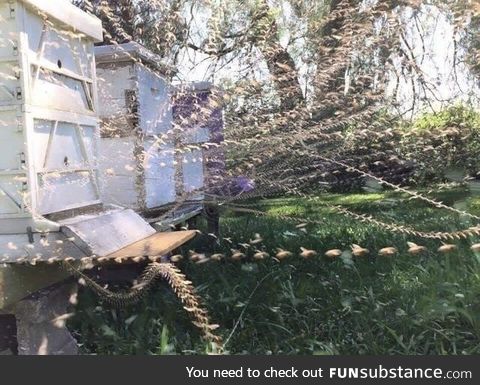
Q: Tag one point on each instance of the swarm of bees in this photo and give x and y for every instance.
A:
(256, 251)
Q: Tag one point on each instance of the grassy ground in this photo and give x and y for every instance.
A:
(428, 304)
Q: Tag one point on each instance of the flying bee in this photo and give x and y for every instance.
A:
(282, 254)
(415, 249)
(387, 252)
(237, 255)
(333, 253)
(260, 255)
(195, 257)
(202, 259)
(447, 248)
(256, 239)
(217, 257)
(306, 253)
(176, 258)
(475, 247)
(61, 320)
(359, 251)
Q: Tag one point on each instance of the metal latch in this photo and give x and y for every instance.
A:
(22, 160)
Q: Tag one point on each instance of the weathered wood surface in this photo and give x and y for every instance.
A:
(155, 245)
(101, 235)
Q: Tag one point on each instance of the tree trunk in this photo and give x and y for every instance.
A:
(279, 62)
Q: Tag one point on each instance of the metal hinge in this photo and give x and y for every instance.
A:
(15, 50)
(12, 9)
(18, 93)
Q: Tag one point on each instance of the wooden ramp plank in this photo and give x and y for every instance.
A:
(156, 244)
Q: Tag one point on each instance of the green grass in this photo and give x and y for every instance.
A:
(427, 304)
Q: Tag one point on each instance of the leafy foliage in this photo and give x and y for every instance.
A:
(444, 145)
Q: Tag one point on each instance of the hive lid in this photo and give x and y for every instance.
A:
(70, 15)
(131, 51)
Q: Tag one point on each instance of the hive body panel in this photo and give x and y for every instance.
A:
(137, 145)
(48, 129)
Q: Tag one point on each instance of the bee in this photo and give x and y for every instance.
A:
(202, 259)
(282, 254)
(447, 248)
(259, 255)
(306, 253)
(475, 247)
(359, 251)
(217, 257)
(237, 255)
(387, 252)
(415, 249)
(334, 253)
(176, 258)
(256, 239)
(193, 255)
(60, 321)
(73, 299)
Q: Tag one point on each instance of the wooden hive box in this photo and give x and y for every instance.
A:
(137, 155)
(48, 107)
(198, 121)
(50, 200)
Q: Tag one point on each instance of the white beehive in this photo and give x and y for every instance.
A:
(137, 157)
(48, 117)
(198, 119)
(50, 201)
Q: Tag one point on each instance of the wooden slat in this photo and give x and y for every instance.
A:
(71, 16)
(156, 244)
